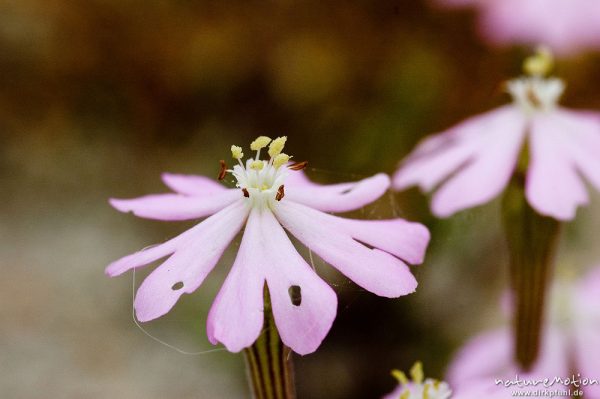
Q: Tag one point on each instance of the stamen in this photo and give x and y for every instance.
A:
(533, 98)
(281, 159)
(223, 171)
(298, 165)
(276, 146)
(246, 193)
(400, 376)
(259, 143)
(540, 63)
(416, 373)
(236, 152)
(257, 165)
(280, 193)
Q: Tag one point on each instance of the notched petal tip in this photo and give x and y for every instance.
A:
(121, 205)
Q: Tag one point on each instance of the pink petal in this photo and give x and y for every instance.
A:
(489, 356)
(338, 197)
(481, 153)
(176, 206)
(192, 185)
(581, 136)
(372, 269)
(473, 360)
(567, 26)
(237, 314)
(553, 186)
(486, 175)
(587, 355)
(406, 240)
(143, 257)
(303, 325)
(186, 269)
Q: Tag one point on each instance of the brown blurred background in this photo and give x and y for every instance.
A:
(98, 97)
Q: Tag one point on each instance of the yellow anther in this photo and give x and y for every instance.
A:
(400, 376)
(426, 391)
(405, 395)
(260, 142)
(257, 165)
(416, 373)
(236, 152)
(281, 159)
(540, 63)
(276, 146)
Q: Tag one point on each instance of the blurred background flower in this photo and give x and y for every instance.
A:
(97, 98)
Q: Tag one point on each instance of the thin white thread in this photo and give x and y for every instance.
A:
(168, 345)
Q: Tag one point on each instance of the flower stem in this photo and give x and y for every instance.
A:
(532, 240)
(269, 362)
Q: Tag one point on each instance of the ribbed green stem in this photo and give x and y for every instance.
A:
(532, 240)
(269, 362)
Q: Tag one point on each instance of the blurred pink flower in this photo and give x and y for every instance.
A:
(472, 162)
(268, 196)
(566, 26)
(571, 347)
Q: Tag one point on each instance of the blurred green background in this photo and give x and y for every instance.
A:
(98, 97)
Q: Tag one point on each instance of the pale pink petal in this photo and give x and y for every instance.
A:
(186, 269)
(298, 178)
(488, 357)
(553, 187)
(237, 314)
(302, 325)
(478, 156)
(559, 24)
(341, 197)
(375, 270)
(406, 240)
(474, 360)
(489, 171)
(587, 355)
(581, 137)
(143, 257)
(176, 206)
(192, 185)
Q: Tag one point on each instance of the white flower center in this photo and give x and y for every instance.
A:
(536, 94)
(262, 181)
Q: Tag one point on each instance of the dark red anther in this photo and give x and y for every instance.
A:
(280, 193)
(246, 193)
(298, 165)
(223, 170)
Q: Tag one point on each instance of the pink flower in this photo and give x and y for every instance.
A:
(268, 196)
(472, 162)
(571, 347)
(566, 26)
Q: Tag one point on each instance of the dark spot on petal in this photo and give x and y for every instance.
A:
(346, 191)
(177, 286)
(295, 293)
